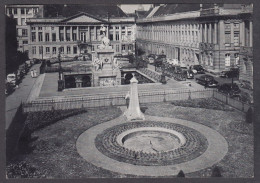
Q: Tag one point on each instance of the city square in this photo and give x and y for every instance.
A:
(163, 91)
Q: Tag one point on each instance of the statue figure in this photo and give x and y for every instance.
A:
(105, 42)
(98, 64)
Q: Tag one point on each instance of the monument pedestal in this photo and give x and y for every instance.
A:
(106, 74)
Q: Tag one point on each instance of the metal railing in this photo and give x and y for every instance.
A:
(113, 99)
(151, 74)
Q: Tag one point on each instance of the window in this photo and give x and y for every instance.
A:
(40, 36)
(53, 50)
(22, 11)
(33, 36)
(129, 33)
(53, 36)
(111, 37)
(23, 21)
(41, 50)
(34, 50)
(39, 28)
(62, 50)
(92, 48)
(75, 50)
(227, 34)
(61, 36)
(68, 49)
(74, 36)
(10, 11)
(123, 47)
(117, 48)
(27, 11)
(117, 27)
(117, 36)
(130, 47)
(24, 32)
(33, 28)
(15, 11)
(236, 58)
(236, 38)
(25, 42)
(47, 37)
(227, 59)
(52, 28)
(47, 50)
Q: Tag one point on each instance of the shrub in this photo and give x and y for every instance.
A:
(216, 172)
(249, 115)
(181, 174)
(22, 170)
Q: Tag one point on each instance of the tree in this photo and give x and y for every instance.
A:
(181, 174)
(216, 172)
(11, 45)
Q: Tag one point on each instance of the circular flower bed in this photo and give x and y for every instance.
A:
(195, 145)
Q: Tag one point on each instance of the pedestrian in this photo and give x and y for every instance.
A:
(127, 98)
(32, 74)
(35, 73)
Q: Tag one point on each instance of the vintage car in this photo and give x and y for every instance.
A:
(207, 81)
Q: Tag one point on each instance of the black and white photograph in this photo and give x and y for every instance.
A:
(129, 90)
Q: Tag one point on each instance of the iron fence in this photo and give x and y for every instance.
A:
(154, 75)
(113, 99)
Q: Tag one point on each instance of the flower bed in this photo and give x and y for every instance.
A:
(207, 103)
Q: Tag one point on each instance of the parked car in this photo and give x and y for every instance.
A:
(65, 58)
(151, 55)
(233, 72)
(188, 74)
(9, 88)
(198, 69)
(11, 78)
(207, 81)
(118, 55)
(177, 70)
(230, 89)
(150, 60)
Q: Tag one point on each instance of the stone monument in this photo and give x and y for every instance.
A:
(134, 112)
(105, 72)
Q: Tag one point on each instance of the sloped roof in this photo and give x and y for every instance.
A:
(101, 11)
(86, 16)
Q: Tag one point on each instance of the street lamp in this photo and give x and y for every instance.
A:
(60, 81)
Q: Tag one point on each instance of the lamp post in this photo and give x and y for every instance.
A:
(60, 81)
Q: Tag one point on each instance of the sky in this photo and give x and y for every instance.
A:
(130, 8)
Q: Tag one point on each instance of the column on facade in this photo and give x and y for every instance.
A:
(58, 34)
(71, 29)
(43, 34)
(120, 33)
(205, 33)
(64, 34)
(95, 33)
(78, 33)
(201, 33)
(242, 33)
(89, 35)
(114, 33)
(210, 32)
(232, 32)
(250, 33)
(37, 33)
(215, 33)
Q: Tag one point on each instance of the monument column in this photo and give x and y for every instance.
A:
(133, 112)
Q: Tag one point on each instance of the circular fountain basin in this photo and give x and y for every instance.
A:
(151, 139)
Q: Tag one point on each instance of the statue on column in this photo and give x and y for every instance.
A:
(105, 42)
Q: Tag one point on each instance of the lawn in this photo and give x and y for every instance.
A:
(53, 152)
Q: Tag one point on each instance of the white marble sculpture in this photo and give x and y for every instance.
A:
(133, 112)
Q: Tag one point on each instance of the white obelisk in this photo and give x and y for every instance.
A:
(133, 112)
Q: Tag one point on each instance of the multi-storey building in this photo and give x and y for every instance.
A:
(211, 37)
(21, 13)
(78, 34)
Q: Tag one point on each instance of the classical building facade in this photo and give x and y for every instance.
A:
(21, 13)
(210, 37)
(78, 34)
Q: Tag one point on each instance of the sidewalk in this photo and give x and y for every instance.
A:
(21, 94)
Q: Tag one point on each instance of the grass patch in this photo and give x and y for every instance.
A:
(207, 103)
(51, 150)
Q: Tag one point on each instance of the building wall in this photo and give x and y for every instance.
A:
(176, 39)
(21, 13)
(120, 35)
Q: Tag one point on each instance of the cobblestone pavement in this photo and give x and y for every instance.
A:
(217, 149)
(21, 94)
